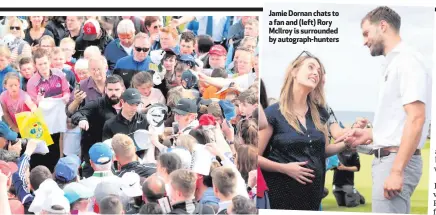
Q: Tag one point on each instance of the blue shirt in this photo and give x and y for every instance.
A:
(127, 67)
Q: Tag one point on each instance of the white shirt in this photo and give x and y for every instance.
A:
(218, 26)
(127, 49)
(155, 96)
(404, 80)
(245, 81)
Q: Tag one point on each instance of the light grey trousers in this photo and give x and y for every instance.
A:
(381, 168)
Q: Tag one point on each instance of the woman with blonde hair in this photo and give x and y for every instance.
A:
(19, 47)
(294, 146)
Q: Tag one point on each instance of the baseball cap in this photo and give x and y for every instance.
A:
(67, 168)
(228, 109)
(189, 78)
(75, 191)
(207, 120)
(218, 50)
(171, 51)
(131, 96)
(91, 28)
(6, 132)
(106, 188)
(8, 168)
(100, 153)
(131, 186)
(185, 106)
(188, 59)
(56, 203)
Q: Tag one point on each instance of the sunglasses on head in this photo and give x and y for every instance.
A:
(139, 49)
(306, 53)
(15, 28)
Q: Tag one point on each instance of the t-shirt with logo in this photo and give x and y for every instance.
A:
(55, 86)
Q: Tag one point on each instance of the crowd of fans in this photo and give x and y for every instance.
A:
(161, 114)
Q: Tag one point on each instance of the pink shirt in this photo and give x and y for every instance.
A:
(15, 106)
(56, 86)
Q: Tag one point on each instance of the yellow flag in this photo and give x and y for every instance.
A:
(32, 126)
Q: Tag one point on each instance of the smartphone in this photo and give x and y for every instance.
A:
(42, 91)
(77, 86)
(175, 128)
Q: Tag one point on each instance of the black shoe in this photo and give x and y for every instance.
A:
(362, 200)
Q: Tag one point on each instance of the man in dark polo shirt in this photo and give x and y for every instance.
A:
(343, 180)
(128, 120)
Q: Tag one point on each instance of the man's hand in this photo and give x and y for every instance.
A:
(79, 96)
(228, 131)
(174, 23)
(393, 185)
(31, 146)
(360, 123)
(341, 167)
(66, 98)
(355, 137)
(15, 148)
(84, 125)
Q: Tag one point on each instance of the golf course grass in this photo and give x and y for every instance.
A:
(363, 183)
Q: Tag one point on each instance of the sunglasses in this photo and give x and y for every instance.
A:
(14, 28)
(306, 53)
(157, 27)
(139, 49)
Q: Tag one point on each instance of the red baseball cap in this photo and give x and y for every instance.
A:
(218, 50)
(91, 28)
(8, 168)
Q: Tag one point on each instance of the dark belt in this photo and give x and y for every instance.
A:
(383, 152)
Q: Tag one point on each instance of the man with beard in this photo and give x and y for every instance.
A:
(402, 116)
(94, 114)
(123, 45)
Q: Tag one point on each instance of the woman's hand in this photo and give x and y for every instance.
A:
(296, 171)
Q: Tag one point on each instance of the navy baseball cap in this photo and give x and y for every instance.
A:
(100, 153)
(67, 168)
(131, 96)
(189, 78)
(188, 59)
(185, 106)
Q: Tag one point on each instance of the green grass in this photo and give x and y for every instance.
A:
(363, 183)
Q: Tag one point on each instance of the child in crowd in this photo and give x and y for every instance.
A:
(27, 69)
(58, 62)
(14, 100)
(5, 63)
(248, 102)
(143, 82)
(68, 46)
(211, 91)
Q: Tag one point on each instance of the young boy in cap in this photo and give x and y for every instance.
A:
(66, 170)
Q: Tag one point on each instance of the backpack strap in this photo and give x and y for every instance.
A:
(21, 47)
